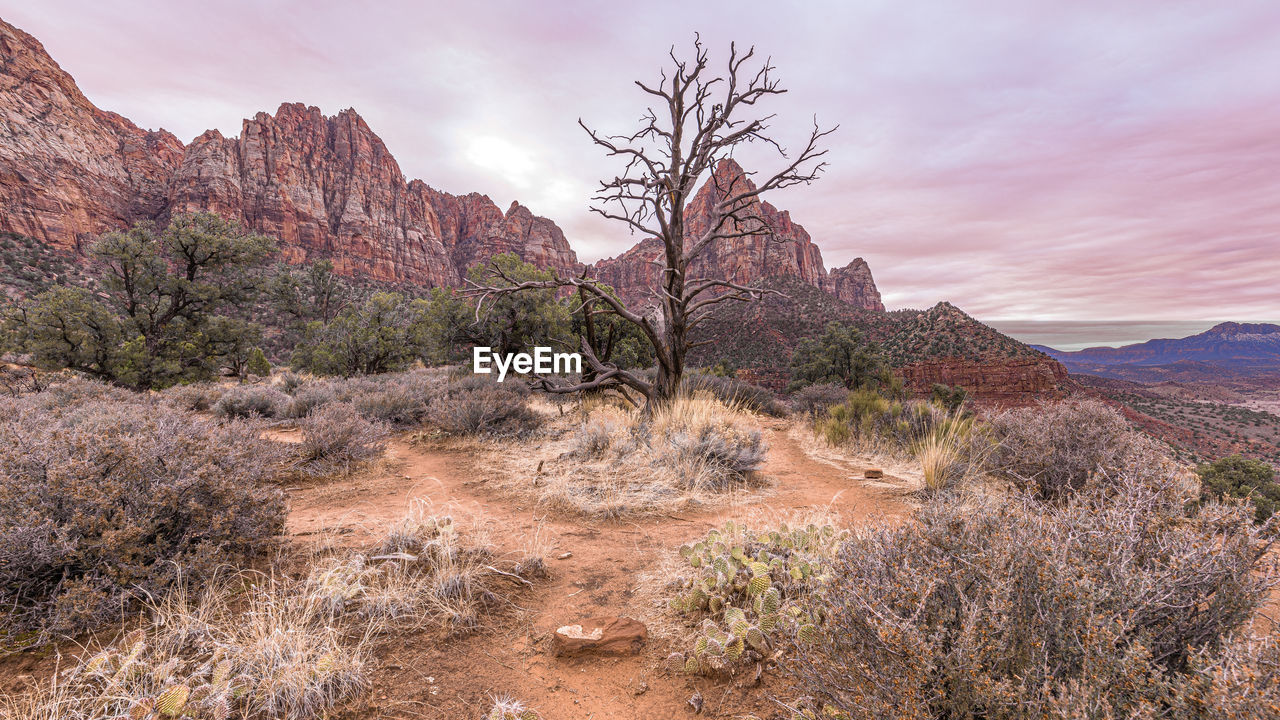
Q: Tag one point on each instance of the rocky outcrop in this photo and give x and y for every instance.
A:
(853, 284)
(783, 248)
(476, 230)
(326, 187)
(1012, 381)
(68, 170)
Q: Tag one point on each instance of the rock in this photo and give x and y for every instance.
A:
(564, 556)
(853, 284)
(600, 636)
(873, 473)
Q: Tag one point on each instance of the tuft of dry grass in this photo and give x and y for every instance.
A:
(613, 461)
(946, 454)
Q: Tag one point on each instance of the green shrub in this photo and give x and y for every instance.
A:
(103, 502)
(1240, 477)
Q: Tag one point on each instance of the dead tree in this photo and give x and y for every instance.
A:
(697, 120)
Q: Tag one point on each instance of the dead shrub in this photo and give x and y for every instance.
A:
(106, 501)
(243, 401)
(1115, 603)
(337, 437)
(196, 397)
(618, 462)
(479, 407)
(1054, 449)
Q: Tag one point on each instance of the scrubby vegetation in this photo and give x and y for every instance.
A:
(979, 607)
(337, 437)
(106, 499)
(1054, 449)
(615, 460)
(1239, 477)
(255, 646)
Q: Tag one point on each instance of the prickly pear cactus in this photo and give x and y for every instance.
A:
(751, 589)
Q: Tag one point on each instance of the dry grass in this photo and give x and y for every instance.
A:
(949, 453)
(609, 461)
(252, 645)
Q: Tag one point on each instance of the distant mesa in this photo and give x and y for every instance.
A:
(1229, 348)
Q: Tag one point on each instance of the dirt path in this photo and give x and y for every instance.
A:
(423, 678)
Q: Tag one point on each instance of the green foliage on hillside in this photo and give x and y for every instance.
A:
(840, 355)
(1239, 477)
(167, 310)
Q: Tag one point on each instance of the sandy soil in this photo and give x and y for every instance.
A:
(423, 676)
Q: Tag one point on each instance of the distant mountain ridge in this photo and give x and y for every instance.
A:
(1229, 347)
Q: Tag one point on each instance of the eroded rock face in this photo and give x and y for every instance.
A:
(1002, 382)
(854, 285)
(326, 187)
(67, 169)
(783, 249)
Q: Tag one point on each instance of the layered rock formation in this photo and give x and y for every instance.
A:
(782, 249)
(67, 169)
(324, 186)
(994, 381)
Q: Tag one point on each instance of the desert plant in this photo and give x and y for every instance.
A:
(1056, 448)
(337, 437)
(815, 400)
(476, 407)
(510, 709)
(949, 452)
(1240, 477)
(197, 397)
(706, 442)
(103, 502)
(750, 589)
(977, 607)
(245, 401)
(733, 391)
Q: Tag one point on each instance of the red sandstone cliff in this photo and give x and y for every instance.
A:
(67, 169)
(783, 249)
(324, 186)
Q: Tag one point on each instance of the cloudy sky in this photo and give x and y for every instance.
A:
(1029, 160)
